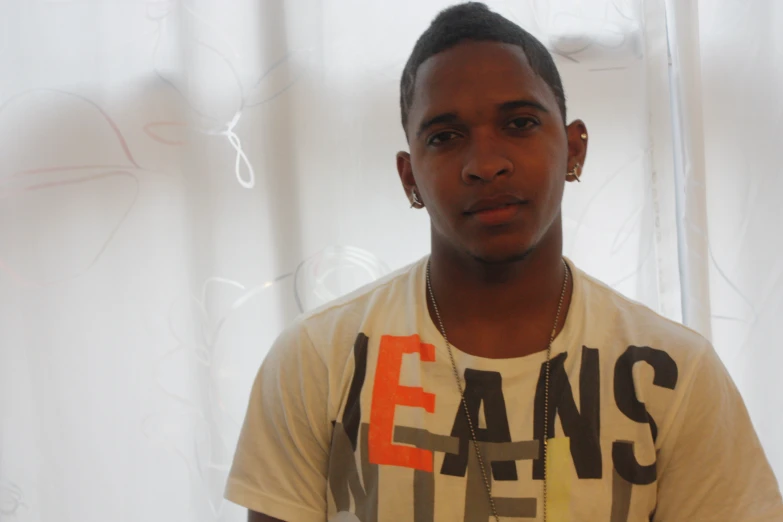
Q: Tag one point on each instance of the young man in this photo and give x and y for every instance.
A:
(494, 378)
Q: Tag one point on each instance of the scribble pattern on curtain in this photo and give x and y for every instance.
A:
(180, 179)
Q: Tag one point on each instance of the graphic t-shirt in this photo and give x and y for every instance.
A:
(355, 416)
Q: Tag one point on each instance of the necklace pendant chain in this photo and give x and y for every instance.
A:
(476, 445)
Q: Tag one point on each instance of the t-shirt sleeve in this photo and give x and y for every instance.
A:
(712, 467)
(280, 464)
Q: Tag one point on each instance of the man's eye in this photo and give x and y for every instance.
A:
(522, 123)
(442, 137)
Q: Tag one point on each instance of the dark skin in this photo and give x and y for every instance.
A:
(497, 286)
(499, 133)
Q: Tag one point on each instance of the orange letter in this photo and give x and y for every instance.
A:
(387, 394)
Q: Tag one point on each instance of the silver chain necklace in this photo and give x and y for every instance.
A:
(465, 404)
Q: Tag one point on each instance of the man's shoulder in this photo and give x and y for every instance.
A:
(621, 316)
(347, 313)
(365, 296)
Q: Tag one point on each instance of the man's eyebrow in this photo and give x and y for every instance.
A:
(448, 117)
(451, 117)
(519, 104)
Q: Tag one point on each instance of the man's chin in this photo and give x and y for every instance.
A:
(501, 256)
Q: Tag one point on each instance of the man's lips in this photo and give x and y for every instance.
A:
(496, 211)
(494, 203)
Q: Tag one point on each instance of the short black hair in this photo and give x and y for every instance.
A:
(474, 21)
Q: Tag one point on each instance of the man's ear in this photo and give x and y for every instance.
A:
(405, 171)
(576, 134)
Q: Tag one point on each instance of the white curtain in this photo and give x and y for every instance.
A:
(179, 179)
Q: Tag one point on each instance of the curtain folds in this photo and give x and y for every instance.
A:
(180, 179)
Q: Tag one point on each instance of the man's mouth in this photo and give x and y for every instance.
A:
(496, 211)
(494, 203)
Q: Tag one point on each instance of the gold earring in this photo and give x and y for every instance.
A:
(575, 172)
(584, 136)
(415, 198)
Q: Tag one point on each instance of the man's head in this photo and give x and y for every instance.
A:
(483, 109)
(475, 22)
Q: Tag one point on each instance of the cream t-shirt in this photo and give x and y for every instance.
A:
(355, 416)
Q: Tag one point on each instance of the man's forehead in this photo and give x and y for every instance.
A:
(488, 73)
(473, 54)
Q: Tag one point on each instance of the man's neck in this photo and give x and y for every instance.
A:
(515, 301)
(494, 290)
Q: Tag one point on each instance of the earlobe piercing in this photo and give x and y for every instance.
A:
(416, 200)
(575, 172)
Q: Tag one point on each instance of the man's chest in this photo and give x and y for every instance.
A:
(406, 430)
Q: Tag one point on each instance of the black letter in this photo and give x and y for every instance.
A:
(582, 426)
(352, 414)
(487, 387)
(625, 396)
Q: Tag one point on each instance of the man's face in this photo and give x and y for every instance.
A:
(489, 152)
